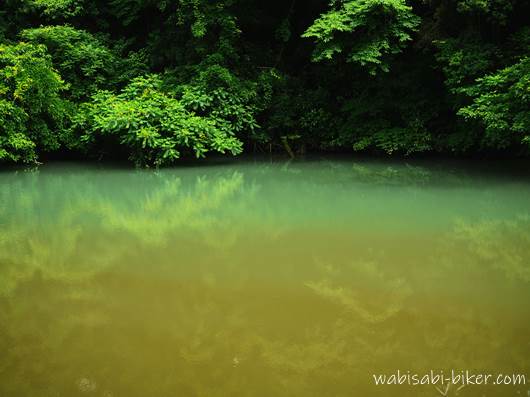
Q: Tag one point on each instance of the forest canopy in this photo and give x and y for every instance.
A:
(157, 80)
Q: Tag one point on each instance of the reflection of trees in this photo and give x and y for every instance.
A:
(392, 175)
(74, 224)
(145, 334)
(484, 268)
(169, 208)
(161, 337)
(503, 245)
(393, 292)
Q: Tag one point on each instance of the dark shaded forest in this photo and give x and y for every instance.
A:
(153, 81)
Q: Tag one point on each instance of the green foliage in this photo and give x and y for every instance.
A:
(309, 123)
(83, 60)
(183, 32)
(372, 118)
(14, 145)
(464, 60)
(501, 103)
(58, 8)
(151, 124)
(218, 94)
(32, 113)
(243, 71)
(497, 11)
(380, 28)
(493, 100)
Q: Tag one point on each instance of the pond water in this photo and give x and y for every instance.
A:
(262, 278)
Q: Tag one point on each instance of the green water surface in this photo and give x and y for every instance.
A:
(262, 278)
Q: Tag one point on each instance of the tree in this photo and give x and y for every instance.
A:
(501, 103)
(32, 113)
(368, 30)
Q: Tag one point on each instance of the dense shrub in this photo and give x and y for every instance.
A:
(218, 94)
(151, 124)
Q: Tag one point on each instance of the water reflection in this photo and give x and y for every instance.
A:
(260, 279)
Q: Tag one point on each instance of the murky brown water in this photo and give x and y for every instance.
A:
(261, 279)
